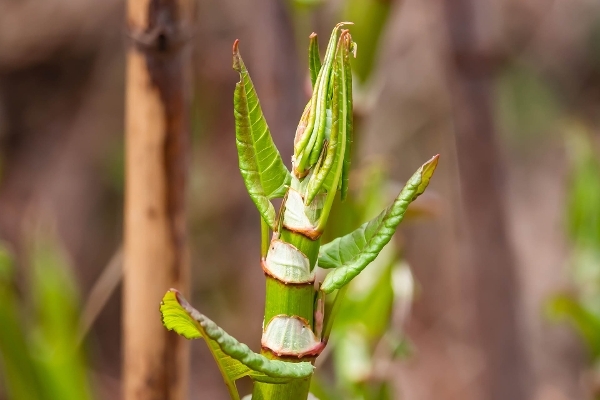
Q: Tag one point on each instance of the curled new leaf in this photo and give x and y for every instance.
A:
(314, 59)
(351, 253)
(308, 143)
(235, 359)
(336, 149)
(262, 168)
(349, 123)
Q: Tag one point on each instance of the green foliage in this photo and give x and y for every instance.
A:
(350, 254)
(235, 360)
(38, 348)
(264, 173)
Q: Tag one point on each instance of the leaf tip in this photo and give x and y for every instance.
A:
(426, 172)
(237, 59)
(432, 164)
(434, 159)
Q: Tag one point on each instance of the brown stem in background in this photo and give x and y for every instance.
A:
(491, 260)
(155, 258)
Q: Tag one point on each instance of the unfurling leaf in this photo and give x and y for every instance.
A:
(327, 174)
(351, 253)
(308, 143)
(349, 123)
(314, 59)
(235, 359)
(262, 168)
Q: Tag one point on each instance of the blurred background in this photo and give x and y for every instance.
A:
(502, 298)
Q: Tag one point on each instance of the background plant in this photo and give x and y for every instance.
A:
(40, 352)
(582, 307)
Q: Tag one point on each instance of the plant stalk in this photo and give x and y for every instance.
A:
(292, 300)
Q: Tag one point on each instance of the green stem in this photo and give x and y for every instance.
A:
(264, 238)
(291, 300)
(295, 390)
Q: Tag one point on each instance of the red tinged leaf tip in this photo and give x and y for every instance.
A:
(238, 64)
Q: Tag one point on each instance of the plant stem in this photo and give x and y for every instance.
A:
(291, 300)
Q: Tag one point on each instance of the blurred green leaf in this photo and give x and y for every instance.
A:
(528, 108)
(352, 357)
(584, 192)
(588, 324)
(39, 350)
(370, 17)
(321, 390)
(54, 338)
(20, 372)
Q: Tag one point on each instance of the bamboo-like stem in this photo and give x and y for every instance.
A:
(291, 300)
(155, 256)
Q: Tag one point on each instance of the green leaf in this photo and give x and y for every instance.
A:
(351, 253)
(587, 323)
(308, 143)
(314, 59)
(337, 140)
(235, 359)
(349, 125)
(262, 168)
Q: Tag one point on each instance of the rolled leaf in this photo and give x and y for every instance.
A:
(314, 59)
(262, 168)
(349, 122)
(351, 253)
(309, 141)
(337, 140)
(235, 359)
